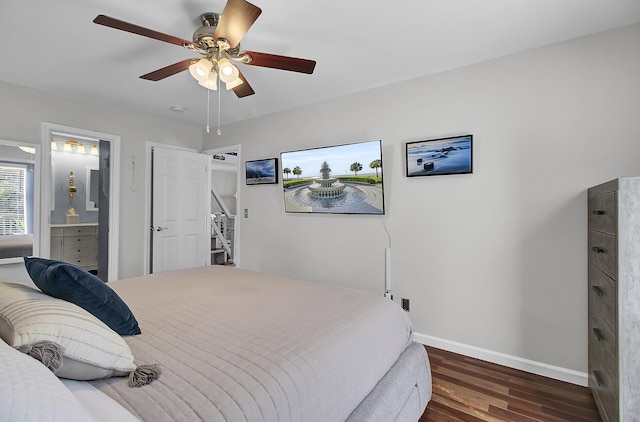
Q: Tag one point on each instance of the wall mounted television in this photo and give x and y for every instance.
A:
(340, 179)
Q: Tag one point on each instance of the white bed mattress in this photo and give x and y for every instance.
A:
(236, 345)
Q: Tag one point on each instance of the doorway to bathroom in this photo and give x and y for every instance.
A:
(80, 199)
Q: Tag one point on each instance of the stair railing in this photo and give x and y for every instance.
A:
(222, 224)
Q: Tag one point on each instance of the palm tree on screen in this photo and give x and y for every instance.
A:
(376, 164)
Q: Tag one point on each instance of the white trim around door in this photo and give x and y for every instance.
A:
(50, 129)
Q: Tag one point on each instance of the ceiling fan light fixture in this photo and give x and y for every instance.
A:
(201, 69)
(28, 150)
(228, 72)
(211, 81)
(233, 84)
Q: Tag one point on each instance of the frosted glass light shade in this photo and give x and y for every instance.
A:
(28, 150)
(233, 84)
(228, 72)
(211, 82)
(200, 70)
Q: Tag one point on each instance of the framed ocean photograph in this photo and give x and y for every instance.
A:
(262, 172)
(440, 156)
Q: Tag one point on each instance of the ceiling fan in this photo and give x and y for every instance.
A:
(218, 42)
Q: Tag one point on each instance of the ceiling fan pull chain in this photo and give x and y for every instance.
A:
(208, 107)
(219, 94)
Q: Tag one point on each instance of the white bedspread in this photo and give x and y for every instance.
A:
(236, 345)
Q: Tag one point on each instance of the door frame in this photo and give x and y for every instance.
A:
(237, 228)
(48, 129)
(147, 197)
(37, 178)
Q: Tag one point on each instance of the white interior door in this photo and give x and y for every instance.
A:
(180, 210)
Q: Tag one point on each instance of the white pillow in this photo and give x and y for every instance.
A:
(30, 392)
(91, 350)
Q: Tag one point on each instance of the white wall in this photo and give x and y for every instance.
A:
(495, 259)
(22, 111)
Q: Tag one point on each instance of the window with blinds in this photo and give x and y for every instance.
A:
(13, 199)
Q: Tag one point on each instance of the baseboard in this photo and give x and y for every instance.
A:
(539, 368)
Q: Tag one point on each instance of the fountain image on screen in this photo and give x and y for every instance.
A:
(341, 179)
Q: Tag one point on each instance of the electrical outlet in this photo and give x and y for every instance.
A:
(405, 304)
(246, 213)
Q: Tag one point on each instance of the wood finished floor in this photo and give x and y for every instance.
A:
(468, 389)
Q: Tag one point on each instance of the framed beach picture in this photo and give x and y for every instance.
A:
(440, 156)
(262, 172)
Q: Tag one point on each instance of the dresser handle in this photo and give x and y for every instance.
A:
(598, 290)
(598, 333)
(596, 249)
(597, 212)
(598, 377)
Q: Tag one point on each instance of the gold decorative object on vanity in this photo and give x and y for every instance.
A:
(614, 298)
(72, 188)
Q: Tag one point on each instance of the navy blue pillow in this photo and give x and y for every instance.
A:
(68, 282)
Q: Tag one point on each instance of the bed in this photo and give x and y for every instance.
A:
(16, 245)
(236, 345)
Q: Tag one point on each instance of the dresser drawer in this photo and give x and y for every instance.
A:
(603, 253)
(603, 295)
(604, 341)
(79, 230)
(79, 240)
(603, 388)
(602, 213)
(79, 249)
(84, 261)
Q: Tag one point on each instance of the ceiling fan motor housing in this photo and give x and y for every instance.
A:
(203, 36)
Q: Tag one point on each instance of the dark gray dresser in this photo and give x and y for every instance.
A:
(614, 298)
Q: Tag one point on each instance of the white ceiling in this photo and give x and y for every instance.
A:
(358, 44)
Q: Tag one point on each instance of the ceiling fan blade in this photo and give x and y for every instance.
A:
(167, 71)
(235, 20)
(274, 61)
(135, 29)
(244, 89)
